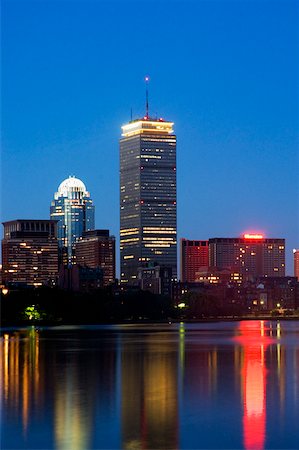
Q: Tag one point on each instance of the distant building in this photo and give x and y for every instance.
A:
(214, 275)
(156, 279)
(80, 279)
(251, 256)
(194, 255)
(72, 207)
(148, 223)
(273, 293)
(296, 263)
(30, 253)
(96, 249)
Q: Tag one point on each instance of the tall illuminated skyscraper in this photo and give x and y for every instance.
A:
(148, 224)
(72, 207)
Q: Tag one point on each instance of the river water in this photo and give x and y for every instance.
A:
(225, 385)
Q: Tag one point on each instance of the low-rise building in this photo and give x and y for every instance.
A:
(194, 255)
(156, 279)
(96, 249)
(80, 279)
(30, 253)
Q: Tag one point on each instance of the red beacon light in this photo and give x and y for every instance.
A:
(253, 236)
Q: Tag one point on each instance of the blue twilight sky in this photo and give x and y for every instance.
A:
(225, 71)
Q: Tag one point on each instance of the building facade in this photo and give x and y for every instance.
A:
(30, 253)
(296, 263)
(80, 279)
(73, 209)
(251, 256)
(156, 280)
(194, 255)
(282, 292)
(148, 212)
(96, 249)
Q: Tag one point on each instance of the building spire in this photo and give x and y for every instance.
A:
(146, 96)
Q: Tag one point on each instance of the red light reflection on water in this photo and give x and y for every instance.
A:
(254, 342)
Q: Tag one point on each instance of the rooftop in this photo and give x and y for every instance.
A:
(147, 125)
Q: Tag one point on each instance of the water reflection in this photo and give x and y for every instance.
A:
(84, 388)
(181, 386)
(72, 423)
(149, 393)
(254, 342)
(22, 383)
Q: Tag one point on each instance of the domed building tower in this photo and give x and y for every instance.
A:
(73, 208)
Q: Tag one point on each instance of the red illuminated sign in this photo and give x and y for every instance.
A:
(253, 236)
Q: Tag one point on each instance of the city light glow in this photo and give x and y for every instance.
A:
(146, 125)
(253, 236)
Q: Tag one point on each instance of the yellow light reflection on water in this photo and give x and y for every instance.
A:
(278, 330)
(20, 372)
(149, 383)
(182, 347)
(6, 343)
(71, 427)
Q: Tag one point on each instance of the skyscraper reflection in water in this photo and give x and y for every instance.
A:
(213, 385)
(22, 375)
(72, 412)
(149, 403)
(82, 381)
(255, 343)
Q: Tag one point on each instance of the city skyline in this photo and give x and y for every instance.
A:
(235, 111)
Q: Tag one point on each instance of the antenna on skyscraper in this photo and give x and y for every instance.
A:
(146, 96)
(131, 114)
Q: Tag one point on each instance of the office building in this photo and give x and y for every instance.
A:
(148, 225)
(194, 255)
(73, 208)
(209, 275)
(296, 263)
(252, 255)
(80, 279)
(155, 279)
(96, 249)
(30, 253)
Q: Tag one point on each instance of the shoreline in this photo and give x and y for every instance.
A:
(44, 323)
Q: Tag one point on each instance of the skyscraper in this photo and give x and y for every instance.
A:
(72, 207)
(147, 196)
(30, 252)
